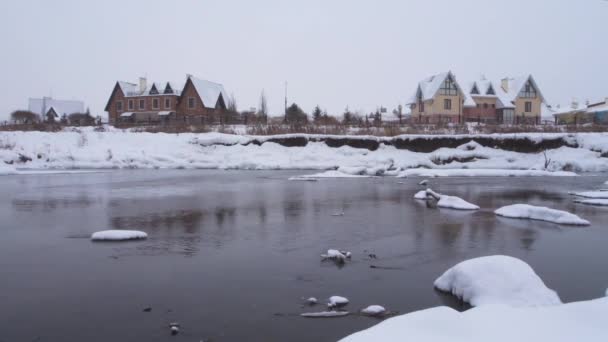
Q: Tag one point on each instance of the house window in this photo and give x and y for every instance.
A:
(130, 104)
(142, 104)
(529, 92)
(154, 103)
(167, 103)
(528, 107)
(485, 106)
(421, 106)
(447, 104)
(493, 105)
(191, 102)
(448, 87)
(118, 106)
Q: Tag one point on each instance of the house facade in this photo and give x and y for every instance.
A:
(440, 98)
(199, 101)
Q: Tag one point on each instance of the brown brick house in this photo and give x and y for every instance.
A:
(199, 101)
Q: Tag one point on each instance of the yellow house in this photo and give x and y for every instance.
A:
(523, 95)
(437, 99)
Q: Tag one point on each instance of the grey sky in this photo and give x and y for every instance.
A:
(333, 53)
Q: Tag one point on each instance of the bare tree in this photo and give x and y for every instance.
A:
(231, 106)
(24, 116)
(263, 109)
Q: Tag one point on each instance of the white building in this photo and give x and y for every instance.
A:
(51, 109)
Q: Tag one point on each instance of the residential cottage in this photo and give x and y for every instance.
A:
(440, 98)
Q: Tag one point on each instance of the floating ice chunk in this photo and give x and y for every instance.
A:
(592, 194)
(312, 301)
(596, 201)
(420, 195)
(423, 182)
(325, 314)
(451, 202)
(526, 211)
(336, 255)
(336, 301)
(496, 279)
(327, 174)
(118, 235)
(374, 310)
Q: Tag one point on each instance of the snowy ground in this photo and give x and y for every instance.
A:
(511, 303)
(87, 149)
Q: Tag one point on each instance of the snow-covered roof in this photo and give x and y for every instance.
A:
(209, 91)
(515, 86)
(429, 87)
(43, 105)
(132, 89)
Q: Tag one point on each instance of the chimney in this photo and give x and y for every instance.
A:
(143, 84)
(504, 83)
(574, 104)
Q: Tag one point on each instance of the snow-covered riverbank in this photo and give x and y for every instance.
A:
(88, 149)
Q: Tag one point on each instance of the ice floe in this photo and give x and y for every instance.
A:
(592, 194)
(602, 202)
(374, 310)
(118, 235)
(481, 173)
(526, 211)
(325, 314)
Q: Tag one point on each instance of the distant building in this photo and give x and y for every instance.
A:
(52, 110)
(199, 101)
(577, 113)
(440, 98)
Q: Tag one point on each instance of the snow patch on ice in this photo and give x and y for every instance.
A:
(451, 202)
(496, 279)
(526, 211)
(592, 194)
(602, 202)
(118, 235)
(481, 173)
(420, 195)
(325, 314)
(6, 169)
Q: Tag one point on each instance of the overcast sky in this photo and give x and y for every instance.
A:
(333, 53)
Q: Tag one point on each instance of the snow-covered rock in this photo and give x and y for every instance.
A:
(334, 254)
(374, 310)
(325, 314)
(496, 279)
(581, 321)
(451, 202)
(420, 195)
(337, 301)
(118, 235)
(421, 172)
(526, 211)
(602, 202)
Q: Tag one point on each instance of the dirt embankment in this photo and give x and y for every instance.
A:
(426, 144)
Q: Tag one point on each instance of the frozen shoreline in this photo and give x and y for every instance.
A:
(117, 149)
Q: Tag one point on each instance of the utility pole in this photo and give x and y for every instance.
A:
(285, 109)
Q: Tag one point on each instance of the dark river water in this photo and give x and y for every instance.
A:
(231, 254)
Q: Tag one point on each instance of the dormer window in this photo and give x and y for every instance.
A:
(448, 87)
(168, 89)
(490, 91)
(154, 91)
(475, 90)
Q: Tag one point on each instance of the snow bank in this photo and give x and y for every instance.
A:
(6, 169)
(451, 202)
(526, 211)
(496, 279)
(87, 149)
(374, 310)
(118, 235)
(598, 202)
(480, 173)
(592, 194)
(581, 321)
